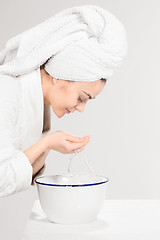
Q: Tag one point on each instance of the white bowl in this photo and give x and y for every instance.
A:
(68, 203)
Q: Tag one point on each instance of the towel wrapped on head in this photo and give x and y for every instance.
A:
(81, 43)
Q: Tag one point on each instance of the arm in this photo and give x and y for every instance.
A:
(39, 150)
(39, 163)
(36, 155)
(38, 168)
(15, 168)
(35, 151)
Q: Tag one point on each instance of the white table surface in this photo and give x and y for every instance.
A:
(118, 220)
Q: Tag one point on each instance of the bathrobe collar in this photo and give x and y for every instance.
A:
(32, 107)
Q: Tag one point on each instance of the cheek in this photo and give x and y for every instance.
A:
(70, 99)
(63, 98)
(70, 102)
(67, 97)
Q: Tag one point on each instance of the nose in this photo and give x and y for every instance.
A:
(80, 107)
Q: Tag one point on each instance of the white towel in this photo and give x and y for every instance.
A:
(81, 43)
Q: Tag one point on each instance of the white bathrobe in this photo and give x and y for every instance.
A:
(21, 125)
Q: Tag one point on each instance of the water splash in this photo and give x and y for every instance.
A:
(70, 161)
(91, 170)
(86, 162)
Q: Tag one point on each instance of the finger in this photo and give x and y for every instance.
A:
(75, 139)
(86, 141)
(87, 136)
(77, 147)
(79, 150)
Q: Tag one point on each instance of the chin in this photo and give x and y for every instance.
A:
(58, 114)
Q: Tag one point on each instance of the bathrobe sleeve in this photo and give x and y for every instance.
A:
(15, 168)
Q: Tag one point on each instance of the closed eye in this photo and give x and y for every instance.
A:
(80, 99)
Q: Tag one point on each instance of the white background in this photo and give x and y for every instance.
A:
(123, 120)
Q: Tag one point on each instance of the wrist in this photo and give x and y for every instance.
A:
(45, 142)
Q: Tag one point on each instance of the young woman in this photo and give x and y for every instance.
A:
(60, 64)
(64, 97)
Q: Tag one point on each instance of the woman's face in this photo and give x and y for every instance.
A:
(63, 95)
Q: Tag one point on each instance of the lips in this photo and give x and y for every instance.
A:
(67, 110)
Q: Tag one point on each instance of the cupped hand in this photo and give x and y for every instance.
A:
(66, 143)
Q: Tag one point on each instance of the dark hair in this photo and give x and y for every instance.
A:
(104, 80)
(43, 65)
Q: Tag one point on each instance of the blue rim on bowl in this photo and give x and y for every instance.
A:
(70, 185)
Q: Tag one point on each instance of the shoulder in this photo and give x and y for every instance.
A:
(8, 82)
(9, 95)
(9, 87)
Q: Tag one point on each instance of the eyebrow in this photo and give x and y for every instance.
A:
(88, 95)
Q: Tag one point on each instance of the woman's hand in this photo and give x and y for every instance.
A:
(66, 143)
